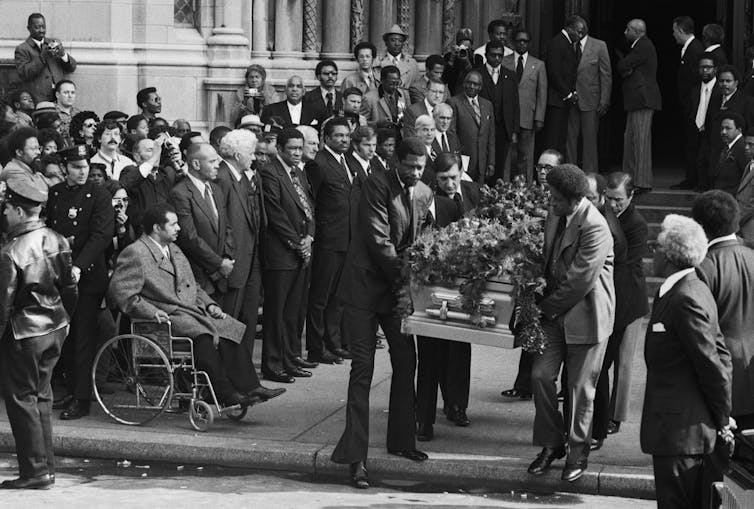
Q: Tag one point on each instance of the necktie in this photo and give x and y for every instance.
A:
(477, 112)
(722, 104)
(210, 202)
(329, 103)
(301, 195)
(345, 167)
(408, 192)
(445, 146)
(459, 201)
(520, 67)
(577, 50)
(701, 111)
(495, 74)
(253, 184)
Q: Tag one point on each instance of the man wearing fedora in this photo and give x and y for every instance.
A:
(395, 38)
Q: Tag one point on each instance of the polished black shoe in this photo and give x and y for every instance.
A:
(540, 465)
(263, 393)
(359, 476)
(573, 471)
(324, 358)
(301, 363)
(75, 410)
(279, 376)
(613, 427)
(342, 353)
(236, 398)
(596, 444)
(424, 432)
(458, 415)
(515, 393)
(42, 482)
(411, 454)
(60, 404)
(298, 372)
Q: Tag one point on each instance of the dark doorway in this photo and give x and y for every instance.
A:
(608, 21)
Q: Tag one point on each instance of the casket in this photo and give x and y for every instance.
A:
(438, 314)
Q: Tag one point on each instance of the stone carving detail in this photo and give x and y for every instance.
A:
(448, 25)
(357, 22)
(404, 16)
(311, 42)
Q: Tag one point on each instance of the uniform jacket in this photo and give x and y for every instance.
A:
(560, 62)
(38, 290)
(477, 140)
(204, 242)
(687, 397)
(532, 89)
(728, 271)
(504, 99)
(631, 300)
(84, 215)
(40, 71)
(280, 110)
(145, 282)
(639, 71)
(594, 77)
(584, 295)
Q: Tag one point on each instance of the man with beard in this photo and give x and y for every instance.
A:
(23, 145)
(325, 99)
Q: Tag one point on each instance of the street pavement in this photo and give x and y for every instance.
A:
(298, 430)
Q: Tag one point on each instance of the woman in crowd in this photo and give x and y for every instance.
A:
(82, 129)
(254, 95)
(22, 104)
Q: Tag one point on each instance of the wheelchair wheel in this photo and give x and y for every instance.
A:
(237, 414)
(200, 415)
(132, 379)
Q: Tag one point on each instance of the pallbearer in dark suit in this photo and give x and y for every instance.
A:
(688, 390)
(83, 213)
(289, 205)
(332, 180)
(325, 100)
(39, 295)
(242, 199)
(293, 111)
(384, 154)
(391, 209)
(712, 36)
(732, 161)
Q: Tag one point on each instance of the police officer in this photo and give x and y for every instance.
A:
(38, 297)
(83, 213)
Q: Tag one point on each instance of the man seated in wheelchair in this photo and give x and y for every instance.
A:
(153, 281)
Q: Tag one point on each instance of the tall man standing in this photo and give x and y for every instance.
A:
(641, 97)
(391, 209)
(395, 39)
(577, 310)
(325, 99)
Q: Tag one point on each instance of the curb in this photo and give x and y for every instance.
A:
(497, 473)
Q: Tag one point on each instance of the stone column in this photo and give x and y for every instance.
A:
(429, 16)
(405, 11)
(227, 46)
(289, 16)
(448, 25)
(336, 29)
(260, 43)
(311, 29)
(382, 15)
(358, 22)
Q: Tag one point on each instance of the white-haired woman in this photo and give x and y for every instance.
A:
(688, 392)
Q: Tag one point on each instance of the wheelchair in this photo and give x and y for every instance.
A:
(138, 376)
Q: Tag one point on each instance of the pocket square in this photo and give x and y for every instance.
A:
(658, 327)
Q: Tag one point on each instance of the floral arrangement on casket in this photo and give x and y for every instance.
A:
(503, 240)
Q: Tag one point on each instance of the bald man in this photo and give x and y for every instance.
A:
(292, 111)
(641, 97)
(311, 142)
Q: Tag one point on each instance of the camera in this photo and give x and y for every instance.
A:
(462, 51)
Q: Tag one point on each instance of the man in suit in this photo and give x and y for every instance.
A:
(577, 318)
(395, 39)
(433, 94)
(206, 236)
(594, 84)
(83, 213)
(361, 158)
(732, 160)
(474, 124)
(365, 78)
(745, 192)
(532, 99)
(243, 202)
(561, 65)
(384, 153)
(153, 280)
(687, 400)
(326, 98)
(40, 61)
(391, 209)
(497, 30)
(426, 131)
(641, 97)
(331, 181)
(289, 205)
(500, 88)
(713, 36)
(389, 101)
(293, 111)
(445, 140)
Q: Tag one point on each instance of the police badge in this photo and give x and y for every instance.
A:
(73, 212)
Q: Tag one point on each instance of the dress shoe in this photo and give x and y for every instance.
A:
(411, 454)
(596, 444)
(540, 465)
(458, 415)
(359, 476)
(613, 427)
(573, 471)
(298, 372)
(325, 357)
(301, 363)
(60, 404)
(279, 376)
(342, 353)
(236, 398)
(42, 482)
(77, 409)
(263, 393)
(515, 393)
(424, 432)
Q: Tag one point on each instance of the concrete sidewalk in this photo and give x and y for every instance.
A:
(297, 432)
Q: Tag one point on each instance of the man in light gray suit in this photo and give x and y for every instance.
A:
(745, 192)
(594, 82)
(532, 99)
(475, 130)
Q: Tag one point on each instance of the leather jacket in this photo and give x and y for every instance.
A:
(37, 290)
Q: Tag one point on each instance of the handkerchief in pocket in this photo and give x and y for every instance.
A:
(658, 327)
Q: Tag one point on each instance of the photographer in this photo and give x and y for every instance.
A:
(459, 61)
(254, 95)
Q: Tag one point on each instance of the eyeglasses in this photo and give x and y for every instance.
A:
(90, 124)
(330, 73)
(547, 167)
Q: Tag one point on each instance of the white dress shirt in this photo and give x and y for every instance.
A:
(704, 95)
(672, 280)
(365, 165)
(115, 165)
(724, 238)
(295, 111)
(686, 45)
